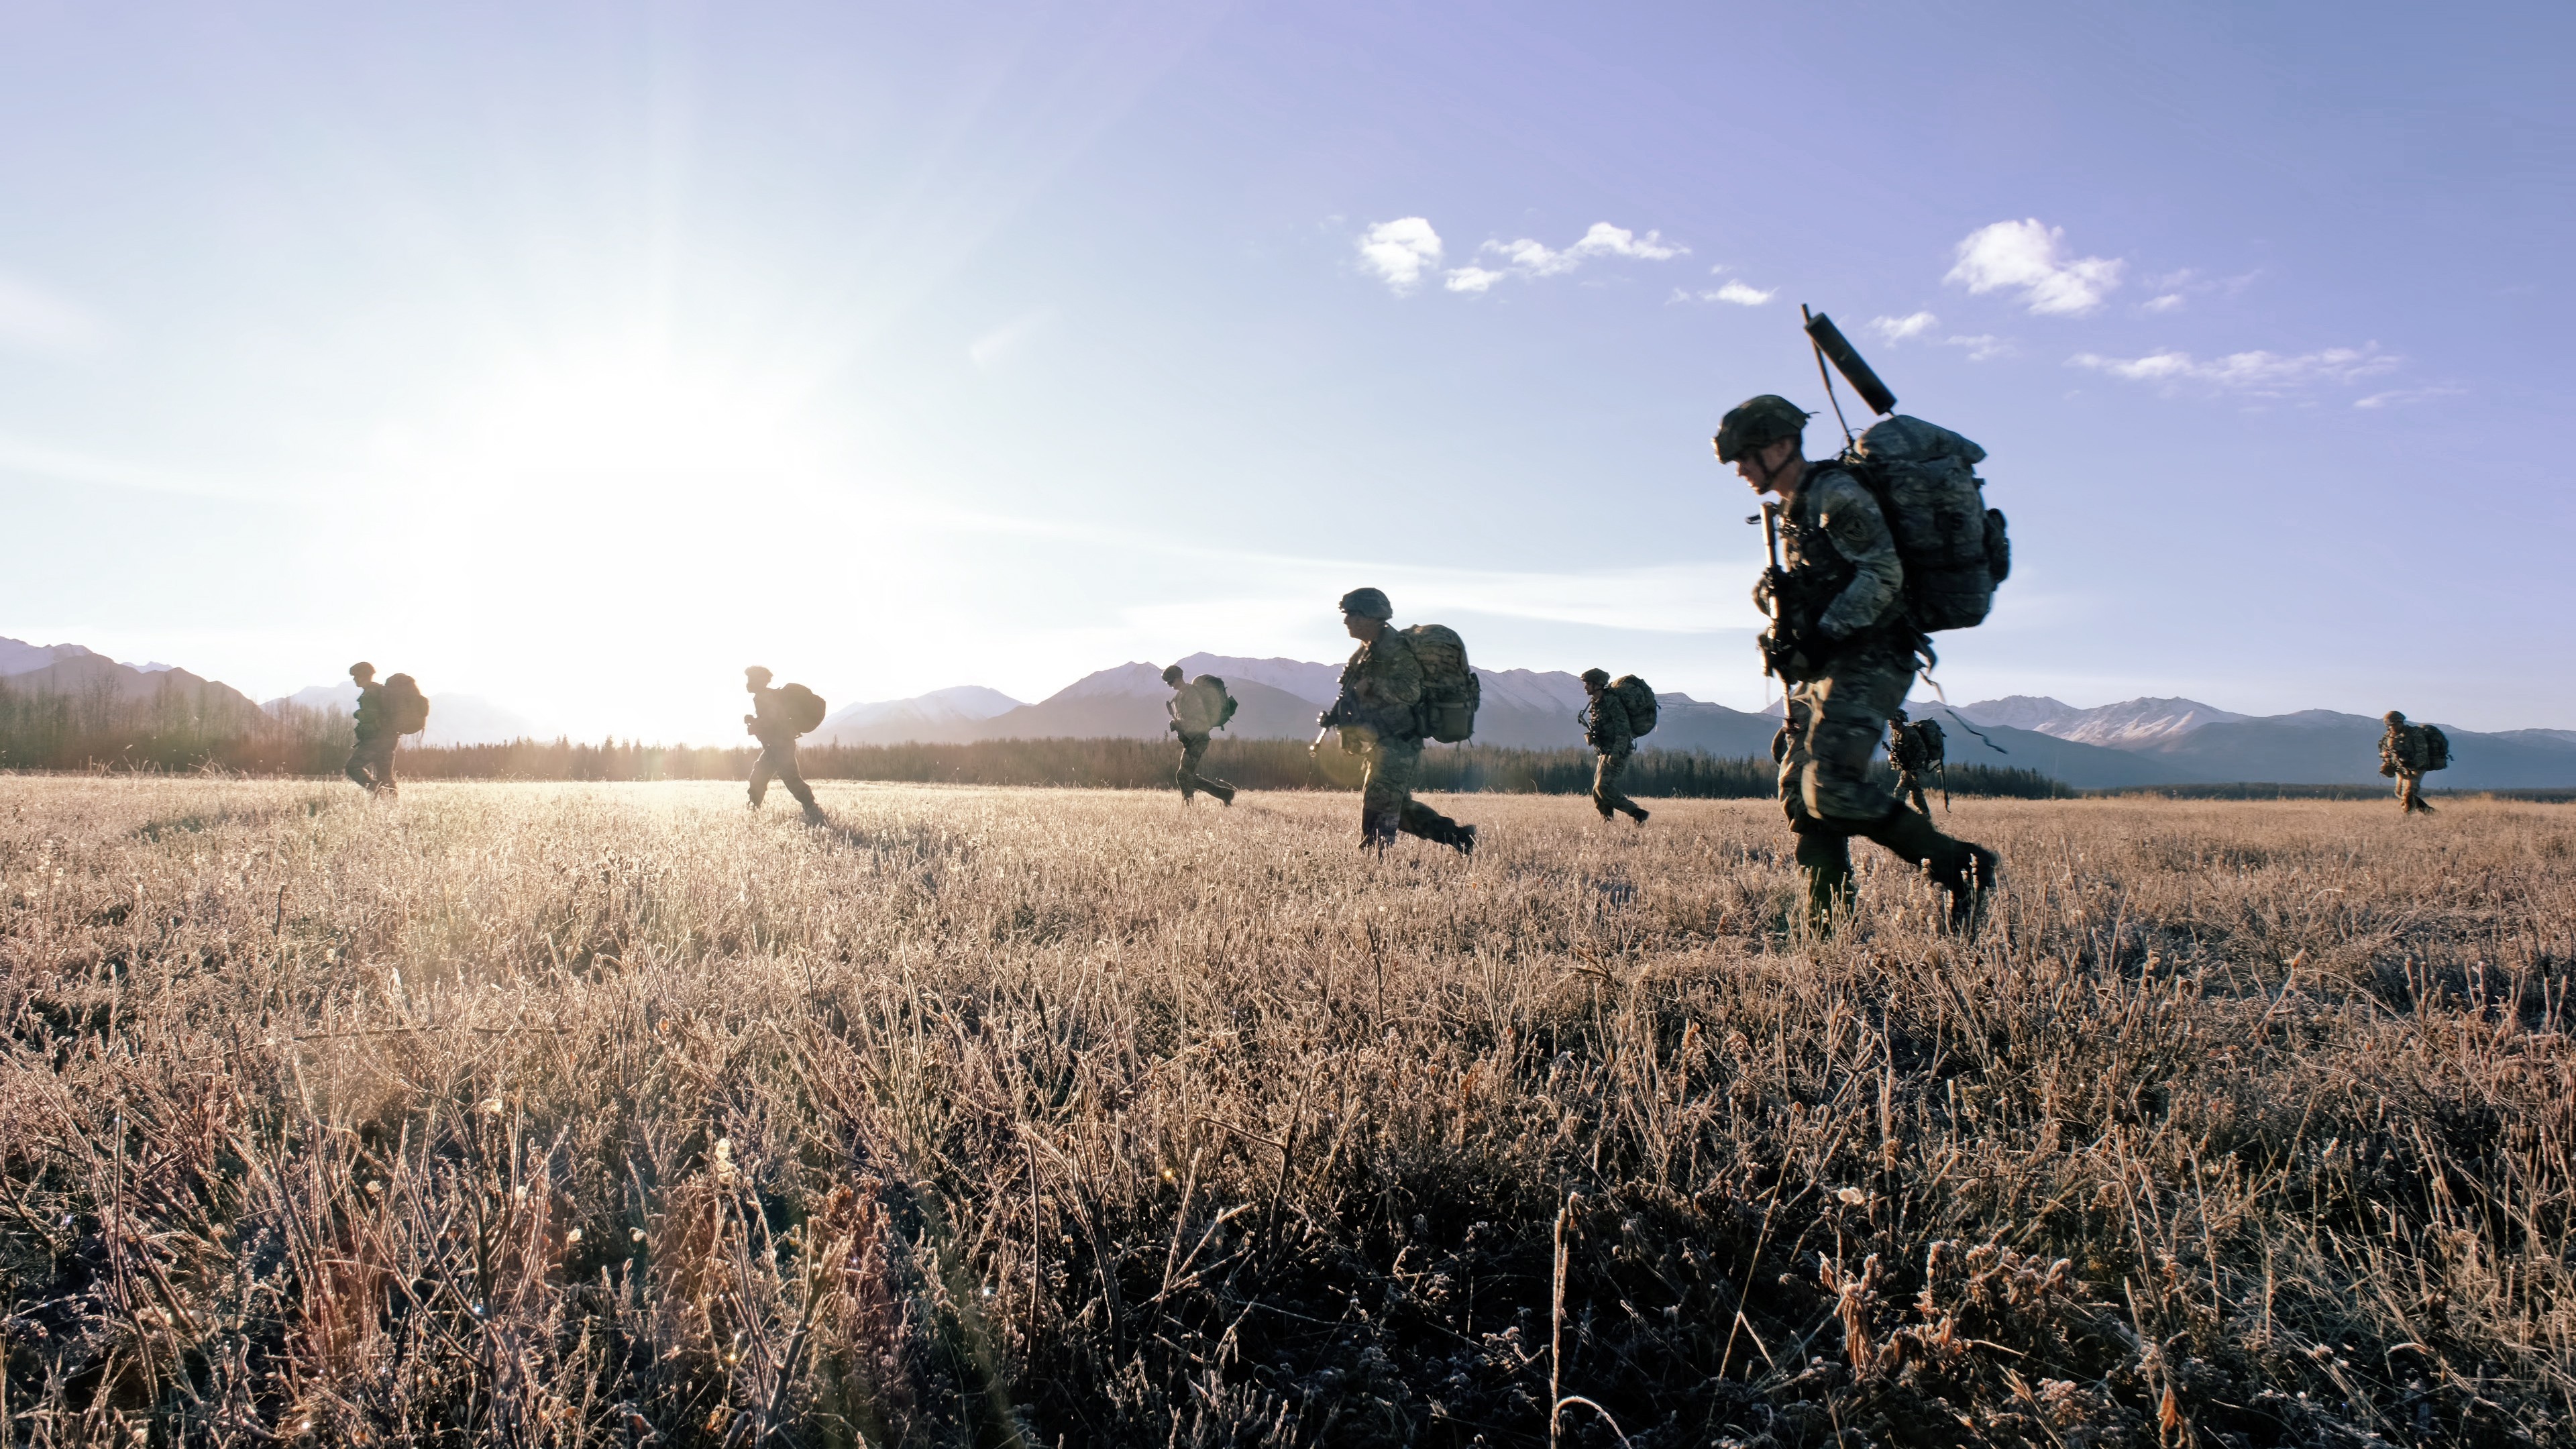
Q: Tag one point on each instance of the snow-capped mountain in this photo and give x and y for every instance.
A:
(2130, 724)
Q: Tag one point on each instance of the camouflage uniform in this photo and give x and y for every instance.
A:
(777, 736)
(1835, 534)
(1381, 687)
(2401, 754)
(371, 760)
(1609, 730)
(1840, 602)
(1195, 708)
(1912, 748)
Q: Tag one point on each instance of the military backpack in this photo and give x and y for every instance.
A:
(406, 708)
(2437, 748)
(1202, 706)
(1450, 689)
(802, 708)
(1637, 697)
(1952, 545)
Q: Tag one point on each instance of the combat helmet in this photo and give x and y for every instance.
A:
(1596, 678)
(758, 675)
(2395, 717)
(1368, 604)
(1172, 675)
(1758, 422)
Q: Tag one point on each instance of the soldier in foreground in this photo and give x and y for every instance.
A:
(371, 759)
(2406, 751)
(1842, 643)
(1378, 713)
(769, 722)
(1198, 709)
(1607, 728)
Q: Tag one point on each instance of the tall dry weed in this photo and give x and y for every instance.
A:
(590, 1115)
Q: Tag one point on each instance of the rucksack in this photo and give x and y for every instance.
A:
(1450, 689)
(1952, 545)
(1202, 706)
(1638, 698)
(804, 708)
(406, 708)
(2437, 748)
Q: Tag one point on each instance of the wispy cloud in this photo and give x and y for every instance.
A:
(1735, 292)
(1897, 329)
(2399, 397)
(1000, 345)
(1982, 347)
(2259, 372)
(2173, 289)
(37, 321)
(1526, 258)
(1398, 252)
(2028, 255)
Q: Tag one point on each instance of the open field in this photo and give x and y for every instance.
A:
(612, 1114)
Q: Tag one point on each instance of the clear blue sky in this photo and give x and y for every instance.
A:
(579, 355)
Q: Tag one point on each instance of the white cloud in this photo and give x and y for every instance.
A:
(1981, 347)
(1397, 252)
(2256, 372)
(2401, 396)
(2025, 254)
(1735, 292)
(33, 320)
(1605, 240)
(1897, 329)
(1529, 258)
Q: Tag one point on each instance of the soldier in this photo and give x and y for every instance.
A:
(1196, 710)
(1914, 749)
(1378, 718)
(371, 760)
(1844, 647)
(769, 724)
(1607, 729)
(2401, 753)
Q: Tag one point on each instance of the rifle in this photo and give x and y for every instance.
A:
(1775, 582)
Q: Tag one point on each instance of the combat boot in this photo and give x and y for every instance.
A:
(1639, 814)
(1824, 858)
(1464, 838)
(1965, 870)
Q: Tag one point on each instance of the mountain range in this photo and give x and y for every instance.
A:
(454, 719)
(1276, 699)
(2138, 742)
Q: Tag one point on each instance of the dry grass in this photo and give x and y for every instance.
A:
(613, 1115)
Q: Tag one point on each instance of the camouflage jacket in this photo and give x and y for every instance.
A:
(769, 723)
(1840, 555)
(1607, 727)
(2402, 748)
(369, 717)
(1381, 687)
(1196, 706)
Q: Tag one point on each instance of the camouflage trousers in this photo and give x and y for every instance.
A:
(371, 764)
(1909, 789)
(1194, 748)
(2410, 796)
(1606, 796)
(1387, 805)
(778, 762)
(1835, 724)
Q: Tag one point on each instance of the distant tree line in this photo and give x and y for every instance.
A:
(190, 731)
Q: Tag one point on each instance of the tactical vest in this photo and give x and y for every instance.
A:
(1818, 572)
